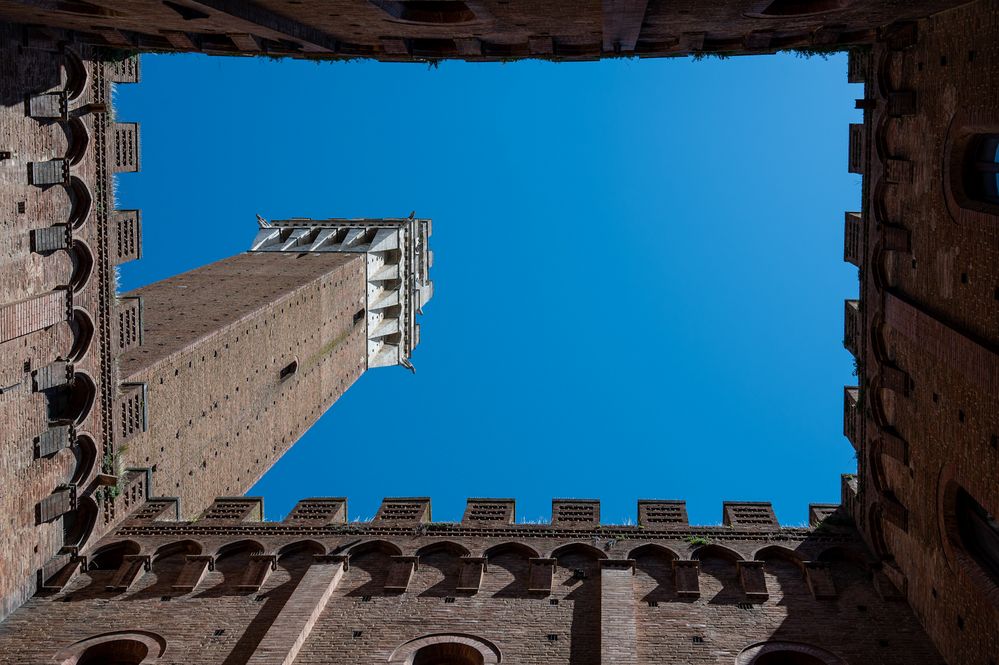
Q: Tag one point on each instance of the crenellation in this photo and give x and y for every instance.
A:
(126, 415)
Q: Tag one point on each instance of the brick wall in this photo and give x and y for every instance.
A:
(216, 341)
(480, 29)
(68, 277)
(327, 594)
(930, 304)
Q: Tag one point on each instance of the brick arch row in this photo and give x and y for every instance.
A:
(446, 568)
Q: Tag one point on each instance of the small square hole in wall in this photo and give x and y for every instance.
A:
(960, 416)
(20, 207)
(964, 278)
(355, 634)
(552, 637)
(553, 601)
(971, 56)
(365, 599)
(882, 643)
(653, 603)
(936, 398)
(697, 639)
(449, 600)
(960, 622)
(164, 599)
(994, 442)
(861, 608)
(219, 632)
(943, 61)
(744, 606)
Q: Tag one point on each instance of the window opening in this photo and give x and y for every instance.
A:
(982, 171)
(288, 370)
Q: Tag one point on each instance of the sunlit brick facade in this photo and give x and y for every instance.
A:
(132, 424)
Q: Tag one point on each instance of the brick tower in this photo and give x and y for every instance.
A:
(97, 417)
(239, 358)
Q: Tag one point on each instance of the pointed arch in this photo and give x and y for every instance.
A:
(779, 552)
(186, 546)
(383, 546)
(82, 201)
(109, 557)
(74, 401)
(79, 140)
(309, 545)
(82, 325)
(237, 547)
(76, 74)
(653, 549)
(523, 549)
(85, 451)
(717, 552)
(78, 525)
(578, 548)
(444, 546)
(83, 265)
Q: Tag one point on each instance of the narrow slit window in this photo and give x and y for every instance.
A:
(289, 370)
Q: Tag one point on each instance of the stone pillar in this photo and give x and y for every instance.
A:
(283, 640)
(618, 627)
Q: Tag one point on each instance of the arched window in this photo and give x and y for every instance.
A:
(787, 653)
(981, 169)
(446, 649)
(117, 652)
(448, 654)
(979, 533)
(788, 658)
(118, 648)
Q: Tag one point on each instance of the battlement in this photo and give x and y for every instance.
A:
(490, 514)
(397, 269)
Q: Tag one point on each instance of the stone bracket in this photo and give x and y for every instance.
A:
(472, 569)
(131, 568)
(754, 582)
(257, 572)
(541, 574)
(820, 582)
(685, 578)
(194, 571)
(401, 572)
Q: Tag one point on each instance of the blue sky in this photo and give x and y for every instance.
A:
(638, 266)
